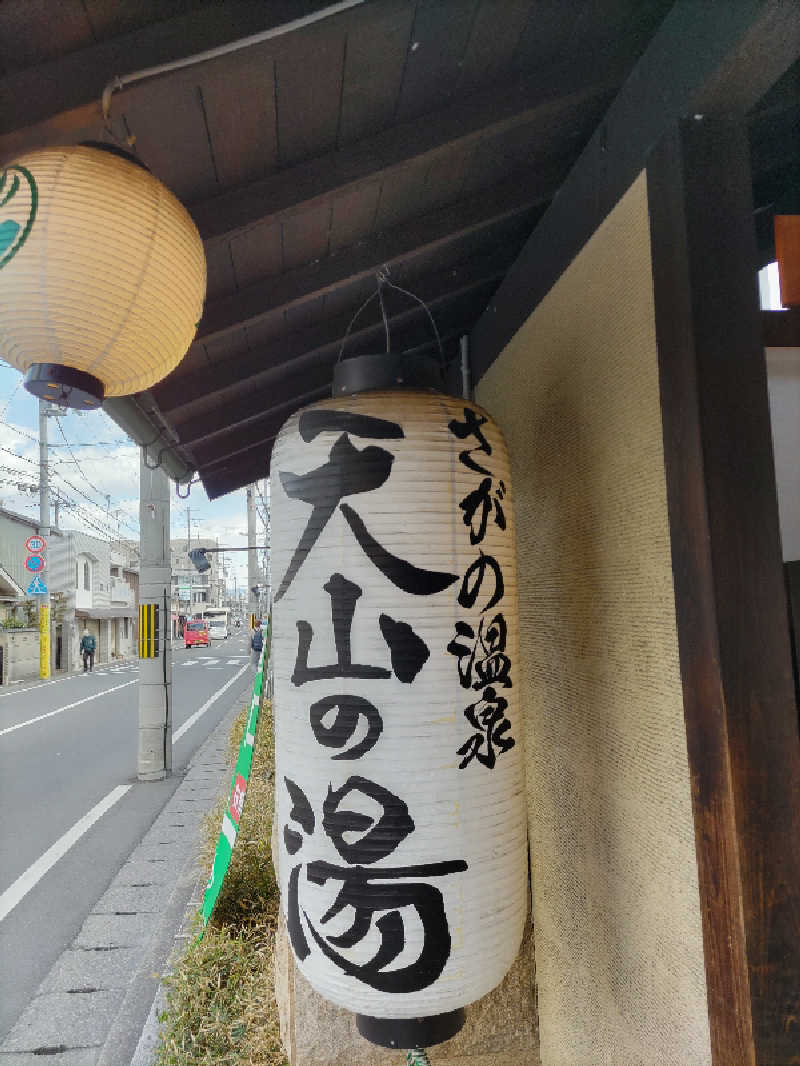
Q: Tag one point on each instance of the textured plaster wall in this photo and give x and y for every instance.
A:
(618, 942)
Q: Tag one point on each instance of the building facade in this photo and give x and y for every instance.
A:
(92, 585)
(193, 591)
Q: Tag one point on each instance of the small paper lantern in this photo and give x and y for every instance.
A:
(399, 770)
(102, 274)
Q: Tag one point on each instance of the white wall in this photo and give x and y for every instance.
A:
(783, 370)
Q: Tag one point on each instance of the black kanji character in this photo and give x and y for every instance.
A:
(471, 427)
(488, 718)
(473, 580)
(302, 813)
(481, 499)
(368, 894)
(343, 594)
(350, 709)
(347, 473)
(484, 655)
(407, 651)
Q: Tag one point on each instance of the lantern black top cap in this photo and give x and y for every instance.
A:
(387, 370)
(115, 149)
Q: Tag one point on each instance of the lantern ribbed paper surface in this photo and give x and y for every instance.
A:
(101, 268)
(399, 769)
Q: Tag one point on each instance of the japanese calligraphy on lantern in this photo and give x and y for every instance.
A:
(482, 650)
(395, 681)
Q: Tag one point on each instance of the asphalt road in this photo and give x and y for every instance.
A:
(72, 808)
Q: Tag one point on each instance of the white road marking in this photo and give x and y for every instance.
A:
(53, 681)
(27, 880)
(176, 736)
(66, 707)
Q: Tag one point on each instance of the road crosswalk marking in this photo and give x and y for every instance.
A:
(234, 661)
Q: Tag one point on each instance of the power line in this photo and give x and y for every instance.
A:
(72, 455)
(10, 398)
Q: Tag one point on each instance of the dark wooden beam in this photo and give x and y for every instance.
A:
(693, 64)
(232, 474)
(781, 329)
(739, 707)
(552, 104)
(305, 349)
(520, 197)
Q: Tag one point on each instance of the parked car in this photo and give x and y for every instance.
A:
(196, 633)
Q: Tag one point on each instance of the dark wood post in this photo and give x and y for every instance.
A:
(741, 718)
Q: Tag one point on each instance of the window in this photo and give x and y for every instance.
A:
(87, 576)
(125, 628)
(77, 575)
(115, 571)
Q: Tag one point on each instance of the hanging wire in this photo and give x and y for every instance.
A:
(428, 313)
(381, 282)
(350, 325)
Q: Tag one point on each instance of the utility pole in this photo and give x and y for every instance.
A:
(155, 625)
(44, 532)
(252, 558)
(268, 543)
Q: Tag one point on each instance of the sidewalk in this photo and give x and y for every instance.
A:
(92, 1007)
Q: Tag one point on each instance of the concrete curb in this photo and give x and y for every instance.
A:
(91, 1008)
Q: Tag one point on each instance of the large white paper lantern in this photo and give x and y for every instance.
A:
(399, 766)
(102, 274)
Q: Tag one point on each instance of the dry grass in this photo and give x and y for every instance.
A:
(220, 999)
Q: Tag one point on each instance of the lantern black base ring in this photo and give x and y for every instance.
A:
(64, 385)
(405, 1033)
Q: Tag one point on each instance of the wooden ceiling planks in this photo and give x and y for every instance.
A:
(439, 227)
(353, 214)
(494, 37)
(219, 267)
(308, 86)
(169, 125)
(257, 253)
(39, 31)
(305, 235)
(239, 102)
(184, 395)
(433, 65)
(377, 45)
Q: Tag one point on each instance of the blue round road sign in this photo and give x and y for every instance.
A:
(35, 563)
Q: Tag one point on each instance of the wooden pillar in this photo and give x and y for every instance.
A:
(741, 718)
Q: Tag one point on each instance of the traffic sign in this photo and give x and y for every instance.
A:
(35, 563)
(36, 543)
(37, 587)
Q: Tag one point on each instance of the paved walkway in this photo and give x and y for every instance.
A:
(93, 1007)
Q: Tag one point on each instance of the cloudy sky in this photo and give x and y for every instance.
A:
(95, 471)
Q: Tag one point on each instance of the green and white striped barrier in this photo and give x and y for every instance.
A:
(236, 796)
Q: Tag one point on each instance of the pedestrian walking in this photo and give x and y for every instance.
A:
(88, 645)
(257, 642)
